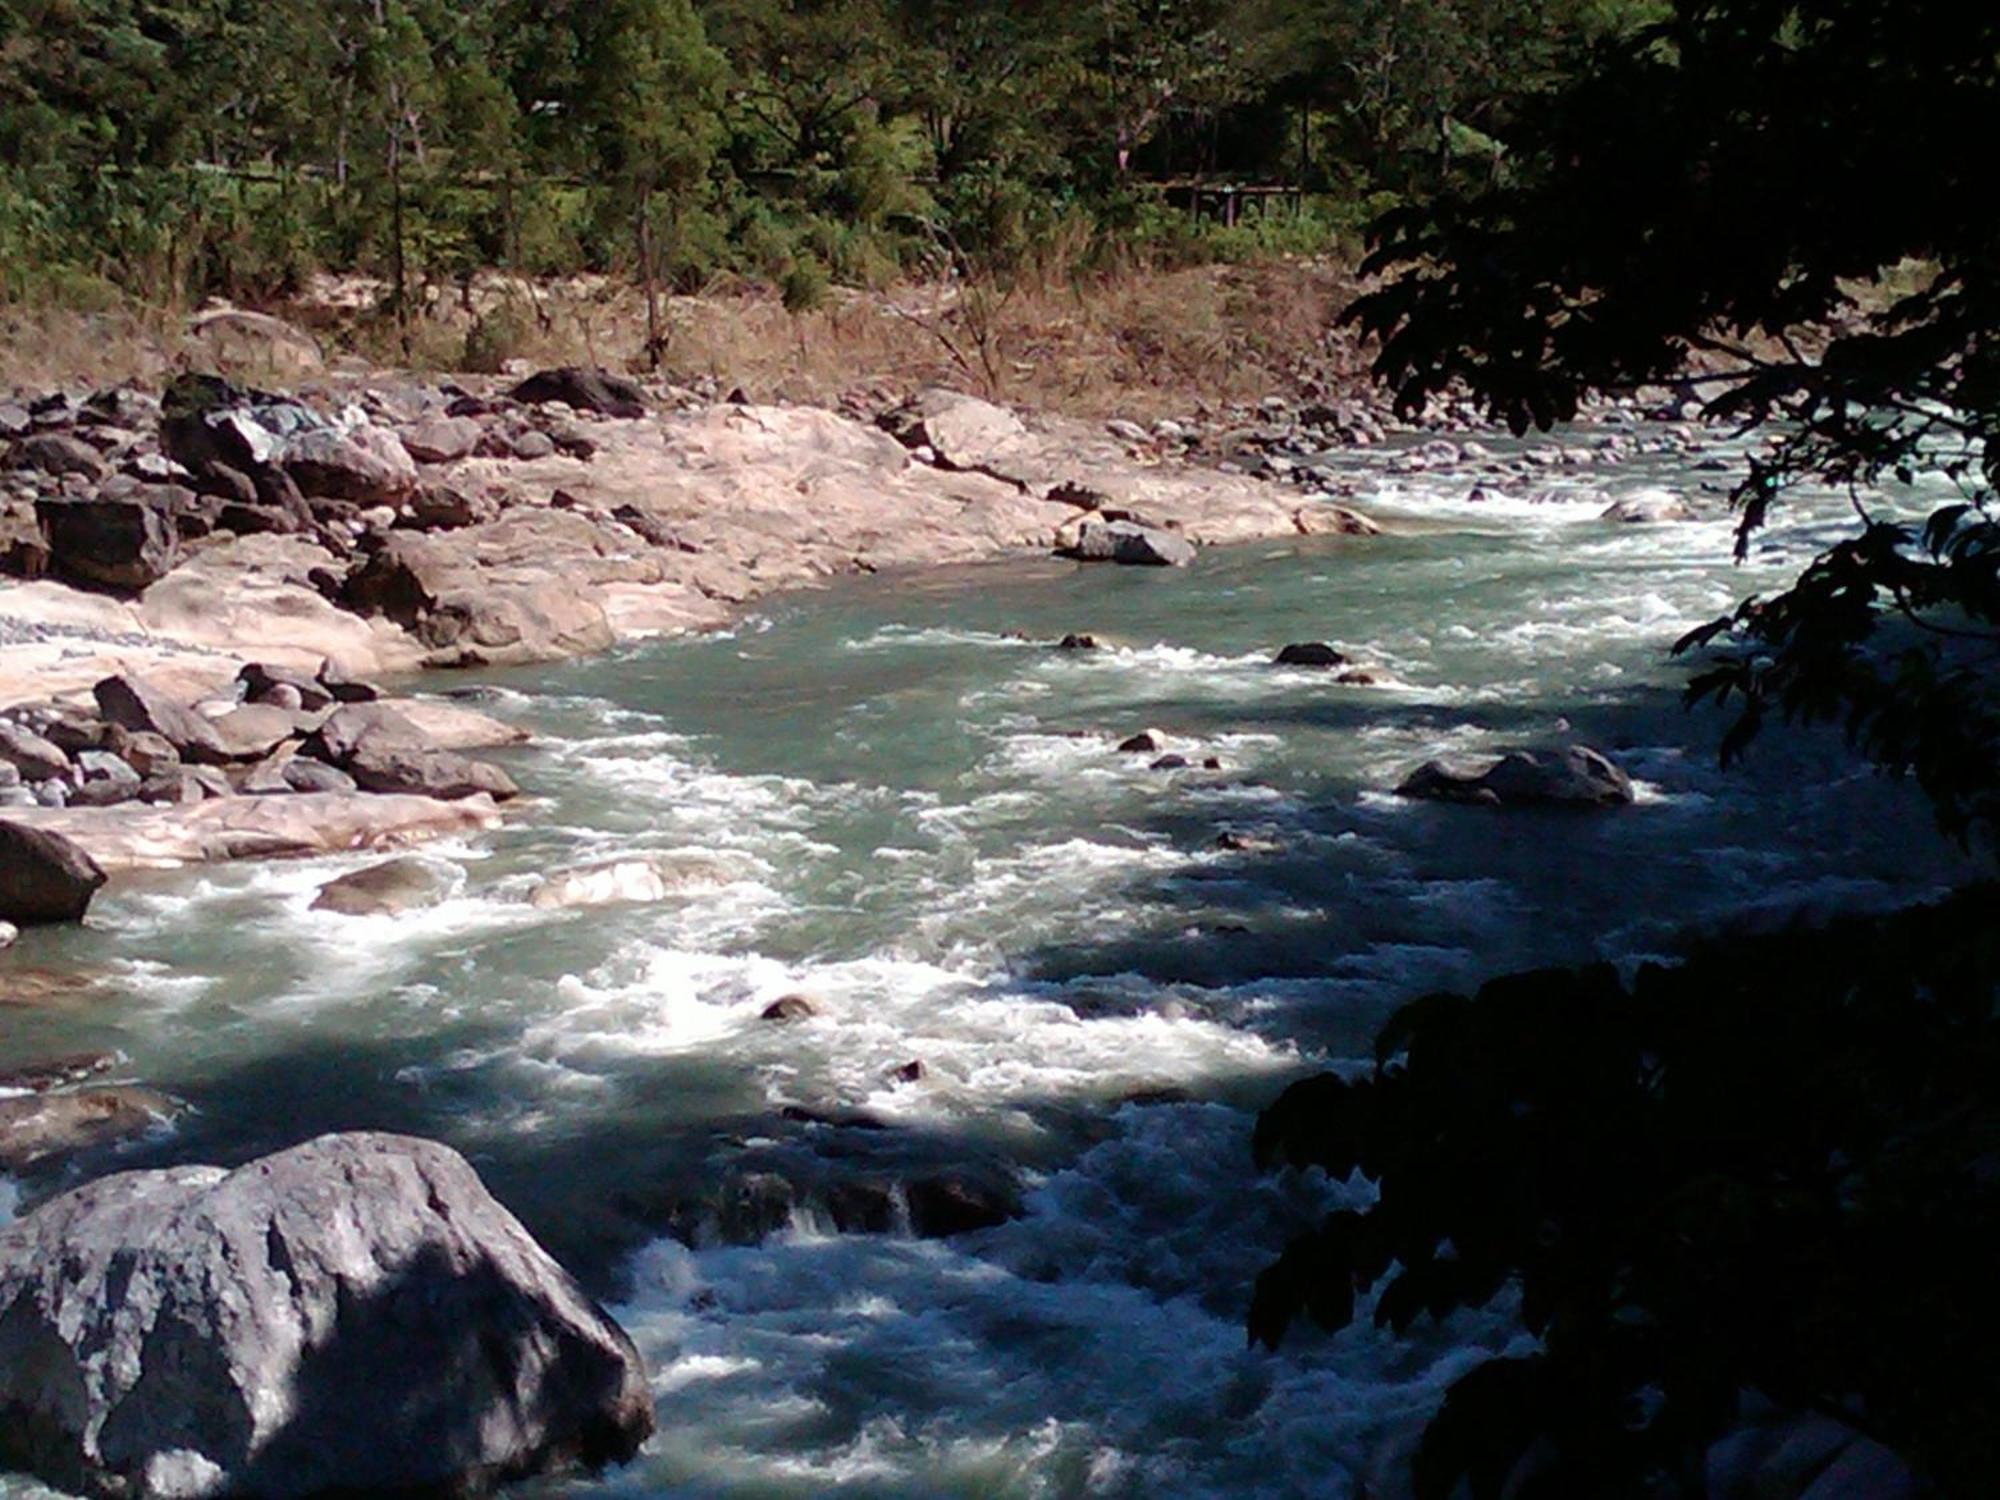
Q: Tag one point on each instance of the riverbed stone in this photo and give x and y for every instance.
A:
(42, 1128)
(137, 704)
(1572, 776)
(1131, 544)
(33, 757)
(1310, 654)
(355, 1315)
(397, 885)
(123, 544)
(44, 877)
(583, 389)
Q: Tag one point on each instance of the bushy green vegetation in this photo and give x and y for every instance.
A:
(170, 149)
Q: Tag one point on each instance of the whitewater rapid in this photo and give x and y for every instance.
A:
(897, 799)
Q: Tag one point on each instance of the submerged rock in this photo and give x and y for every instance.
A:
(639, 878)
(43, 1126)
(396, 885)
(788, 1008)
(1574, 776)
(44, 877)
(355, 1315)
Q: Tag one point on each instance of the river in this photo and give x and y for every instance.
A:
(894, 797)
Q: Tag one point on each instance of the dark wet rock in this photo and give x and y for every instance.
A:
(1310, 654)
(357, 1315)
(582, 389)
(41, 1127)
(1145, 742)
(1573, 776)
(121, 544)
(1131, 544)
(60, 1072)
(789, 1008)
(950, 1204)
(1169, 763)
(44, 877)
(1077, 643)
(397, 885)
(909, 1072)
(33, 756)
(1359, 678)
(136, 704)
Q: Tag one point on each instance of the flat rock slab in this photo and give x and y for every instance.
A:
(166, 838)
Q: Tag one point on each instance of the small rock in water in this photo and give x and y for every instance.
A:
(1310, 654)
(1131, 544)
(909, 1072)
(1574, 776)
(59, 1072)
(1145, 742)
(1075, 642)
(397, 885)
(789, 1008)
(947, 1205)
(40, 1127)
(1169, 763)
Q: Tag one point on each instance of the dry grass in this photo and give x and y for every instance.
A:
(1140, 344)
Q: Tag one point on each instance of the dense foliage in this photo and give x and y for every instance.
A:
(177, 147)
(1802, 194)
(1768, 1169)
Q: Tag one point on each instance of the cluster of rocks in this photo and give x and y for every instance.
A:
(1312, 444)
(113, 491)
(285, 731)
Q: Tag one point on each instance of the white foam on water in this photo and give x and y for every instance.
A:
(1094, 1347)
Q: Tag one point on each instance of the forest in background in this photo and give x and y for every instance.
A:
(169, 150)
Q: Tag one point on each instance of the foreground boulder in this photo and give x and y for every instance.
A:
(1574, 776)
(1132, 544)
(355, 1315)
(44, 877)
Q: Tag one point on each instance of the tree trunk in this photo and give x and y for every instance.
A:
(649, 279)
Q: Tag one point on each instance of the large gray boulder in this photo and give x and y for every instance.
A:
(1573, 776)
(1130, 543)
(356, 1315)
(44, 877)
